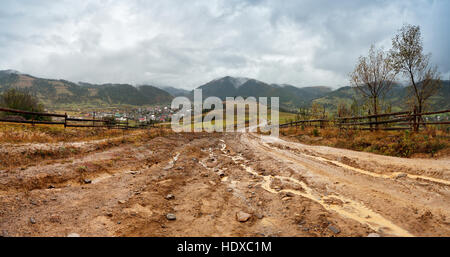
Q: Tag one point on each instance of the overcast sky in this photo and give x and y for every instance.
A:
(188, 43)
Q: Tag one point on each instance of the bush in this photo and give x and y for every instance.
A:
(21, 100)
(316, 132)
(430, 142)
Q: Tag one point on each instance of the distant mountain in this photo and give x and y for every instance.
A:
(55, 93)
(176, 91)
(290, 96)
(395, 97)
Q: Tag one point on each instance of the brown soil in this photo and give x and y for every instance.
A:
(290, 189)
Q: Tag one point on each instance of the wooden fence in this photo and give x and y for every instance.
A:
(387, 121)
(66, 121)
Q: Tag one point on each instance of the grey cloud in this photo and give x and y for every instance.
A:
(187, 43)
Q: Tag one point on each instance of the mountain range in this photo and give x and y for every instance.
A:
(290, 96)
(62, 93)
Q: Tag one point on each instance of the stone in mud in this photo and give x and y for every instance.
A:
(171, 216)
(401, 175)
(243, 216)
(170, 197)
(122, 201)
(87, 181)
(32, 220)
(334, 229)
(289, 194)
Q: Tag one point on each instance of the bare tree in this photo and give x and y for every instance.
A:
(343, 110)
(408, 58)
(373, 77)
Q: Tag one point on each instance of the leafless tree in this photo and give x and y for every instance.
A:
(373, 77)
(408, 58)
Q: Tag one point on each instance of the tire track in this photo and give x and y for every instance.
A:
(350, 209)
(393, 175)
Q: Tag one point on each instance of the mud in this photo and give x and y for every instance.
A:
(289, 189)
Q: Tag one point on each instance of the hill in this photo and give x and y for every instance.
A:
(291, 97)
(176, 91)
(58, 93)
(395, 98)
(62, 93)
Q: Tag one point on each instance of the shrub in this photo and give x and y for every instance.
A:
(316, 132)
(21, 100)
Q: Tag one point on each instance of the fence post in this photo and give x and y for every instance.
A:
(65, 120)
(337, 121)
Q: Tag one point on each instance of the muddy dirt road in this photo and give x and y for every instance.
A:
(206, 182)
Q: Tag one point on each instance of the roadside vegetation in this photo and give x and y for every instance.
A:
(430, 142)
(20, 100)
(45, 144)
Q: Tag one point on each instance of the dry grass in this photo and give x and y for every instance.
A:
(24, 133)
(32, 154)
(427, 143)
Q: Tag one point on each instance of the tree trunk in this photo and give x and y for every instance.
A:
(375, 111)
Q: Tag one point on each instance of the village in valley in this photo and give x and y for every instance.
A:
(144, 115)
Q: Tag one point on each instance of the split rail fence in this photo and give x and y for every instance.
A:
(387, 121)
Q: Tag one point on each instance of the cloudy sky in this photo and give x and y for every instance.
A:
(187, 43)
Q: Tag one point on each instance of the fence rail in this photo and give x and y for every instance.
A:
(386, 121)
(103, 123)
(401, 120)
